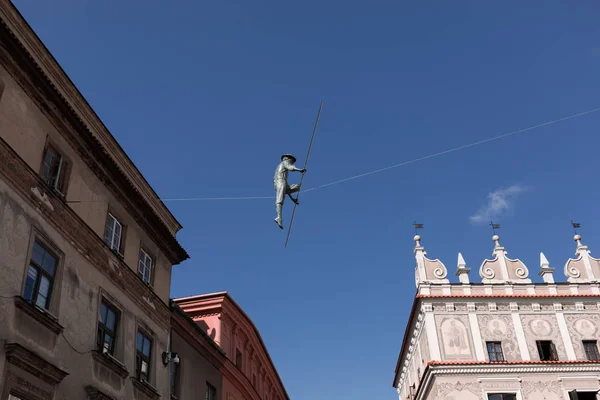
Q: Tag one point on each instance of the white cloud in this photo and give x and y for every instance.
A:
(499, 202)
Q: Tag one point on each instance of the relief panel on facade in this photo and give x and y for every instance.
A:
(455, 337)
(541, 390)
(424, 346)
(582, 327)
(542, 327)
(457, 391)
(499, 328)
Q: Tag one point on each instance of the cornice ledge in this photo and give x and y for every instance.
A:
(29, 361)
(95, 394)
(43, 317)
(88, 243)
(146, 388)
(111, 363)
(437, 370)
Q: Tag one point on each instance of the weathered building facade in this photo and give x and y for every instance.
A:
(504, 338)
(86, 246)
(248, 371)
(196, 374)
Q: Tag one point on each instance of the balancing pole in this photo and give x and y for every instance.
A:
(302, 179)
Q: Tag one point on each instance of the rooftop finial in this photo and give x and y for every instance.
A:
(575, 225)
(545, 270)
(417, 237)
(577, 238)
(494, 227)
(462, 271)
(495, 238)
(417, 227)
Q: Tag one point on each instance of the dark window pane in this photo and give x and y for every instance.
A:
(108, 342)
(43, 292)
(140, 341)
(49, 263)
(30, 283)
(37, 254)
(110, 320)
(103, 311)
(108, 235)
(147, 344)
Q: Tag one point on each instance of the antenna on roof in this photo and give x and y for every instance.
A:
(494, 226)
(575, 225)
(417, 227)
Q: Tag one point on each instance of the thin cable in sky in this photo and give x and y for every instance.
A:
(401, 164)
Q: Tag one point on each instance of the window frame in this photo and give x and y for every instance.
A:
(64, 169)
(515, 394)
(553, 353)
(211, 391)
(574, 394)
(585, 344)
(121, 248)
(140, 357)
(495, 351)
(115, 332)
(150, 255)
(54, 289)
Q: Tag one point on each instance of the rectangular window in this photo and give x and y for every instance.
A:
(145, 266)
(502, 396)
(211, 392)
(591, 350)
(112, 235)
(495, 351)
(547, 350)
(40, 276)
(107, 328)
(54, 169)
(238, 358)
(143, 356)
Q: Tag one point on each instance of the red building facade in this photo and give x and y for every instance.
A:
(248, 373)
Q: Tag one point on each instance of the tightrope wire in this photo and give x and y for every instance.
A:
(397, 165)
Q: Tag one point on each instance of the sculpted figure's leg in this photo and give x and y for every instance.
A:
(293, 189)
(280, 197)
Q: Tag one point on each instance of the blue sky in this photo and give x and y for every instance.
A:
(205, 96)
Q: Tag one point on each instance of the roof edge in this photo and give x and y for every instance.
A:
(101, 131)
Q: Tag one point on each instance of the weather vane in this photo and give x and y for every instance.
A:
(494, 226)
(417, 227)
(575, 225)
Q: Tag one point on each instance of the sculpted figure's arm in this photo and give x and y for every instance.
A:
(291, 167)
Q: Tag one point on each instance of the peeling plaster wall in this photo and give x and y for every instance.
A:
(75, 301)
(78, 285)
(26, 129)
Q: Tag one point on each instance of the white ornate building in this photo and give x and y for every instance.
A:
(504, 338)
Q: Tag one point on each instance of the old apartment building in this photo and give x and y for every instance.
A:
(86, 246)
(197, 374)
(248, 371)
(504, 337)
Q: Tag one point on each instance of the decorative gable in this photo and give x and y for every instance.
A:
(428, 271)
(502, 269)
(584, 268)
